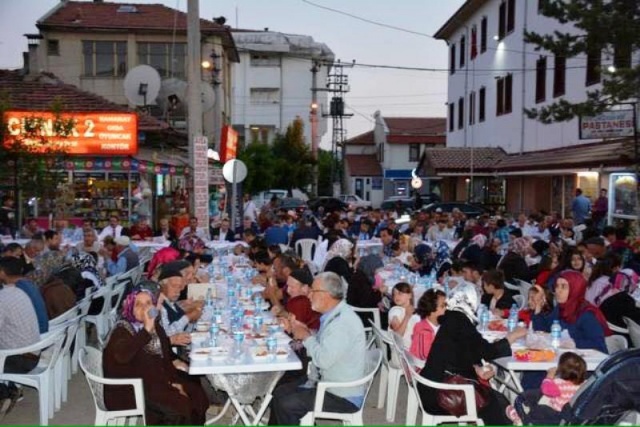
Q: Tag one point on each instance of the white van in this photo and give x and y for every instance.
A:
(265, 196)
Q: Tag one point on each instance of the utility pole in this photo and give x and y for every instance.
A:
(217, 105)
(338, 83)
(199, 200)
(313, 118)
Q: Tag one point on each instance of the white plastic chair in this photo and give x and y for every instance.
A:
(618, 329)
(115, 299)
(305, 248)
(375, 312)
(634, 331)
(390, 372)
(524, 287)
(414, 402)
(69, 314)
(373, 359)
(100, 320)
(512, 287)
(520, 301)
(81, 334)
(62, 370)
(91, 365)
(616, 343)
(42, 376)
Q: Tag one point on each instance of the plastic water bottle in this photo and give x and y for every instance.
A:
(512, 323)
(513, 312)
(257, 324)
(272, 344)
(485, 317)
(213, 334)
(211, 270)
(208, 299)
(238, 338)
(556, 332)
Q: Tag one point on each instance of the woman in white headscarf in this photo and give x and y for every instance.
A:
(338, 258)
(459, 349)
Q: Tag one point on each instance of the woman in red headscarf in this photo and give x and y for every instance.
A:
(586, 324)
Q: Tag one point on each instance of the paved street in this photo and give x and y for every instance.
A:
(79, 409)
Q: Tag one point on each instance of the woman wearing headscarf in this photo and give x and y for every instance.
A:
(139, 348)
(459, 348)
(585, 322)
(339, 258)
(422, 261)
(474, 253)
(513, 264)
(86, 263)
(363, 292)
(442, 260)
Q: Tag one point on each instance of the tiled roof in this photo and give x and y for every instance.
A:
(363, 165)
(39, 93)
(454, 159)
(610, 153)
(362, 139)
(416, 130)
(128, 17)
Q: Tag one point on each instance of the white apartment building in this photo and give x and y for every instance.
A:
(272, 83)
(493, 77)
(379, 163)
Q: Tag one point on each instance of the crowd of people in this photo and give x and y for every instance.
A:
(580, 274)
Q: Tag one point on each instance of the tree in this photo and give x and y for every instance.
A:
(609, 27)
(32, 165)
(326, 163)
(293, 158)
(260, 167)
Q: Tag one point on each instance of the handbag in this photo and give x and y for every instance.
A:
(453, 401)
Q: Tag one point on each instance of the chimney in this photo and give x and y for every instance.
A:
(25, 63)
(31, 56)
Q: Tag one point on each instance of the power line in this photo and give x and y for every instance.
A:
(369, 21)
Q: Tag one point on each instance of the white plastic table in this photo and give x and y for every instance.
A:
(246, 365)
(514, 368)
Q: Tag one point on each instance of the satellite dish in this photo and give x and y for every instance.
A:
(237, 166)
(173, 95)
(141, 85)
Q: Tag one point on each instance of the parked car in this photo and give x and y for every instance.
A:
(329, 204)
(408, 203)
(264, 197)
(293, 204)
(470, 210)
(354, 201)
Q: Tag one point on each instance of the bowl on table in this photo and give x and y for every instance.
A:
(203, 326)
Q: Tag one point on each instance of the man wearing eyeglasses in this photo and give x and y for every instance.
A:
(337, 354)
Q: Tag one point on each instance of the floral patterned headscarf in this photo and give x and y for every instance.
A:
(464, 298)
(341, 248)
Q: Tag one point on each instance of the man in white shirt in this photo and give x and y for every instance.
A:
(192, 228)
(114, 229)
(250, 209)
(222, 233)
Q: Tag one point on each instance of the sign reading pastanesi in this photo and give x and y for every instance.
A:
(610, 124)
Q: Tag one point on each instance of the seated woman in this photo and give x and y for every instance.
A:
(362, 291)
(442, 259)
(139, 348)
(459, 349)
(586, 324)
(540, 307)
(496, 297)
(431, 305)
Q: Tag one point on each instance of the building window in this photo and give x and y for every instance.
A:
(506, 18)
(463, 50)
(474, 42)
(460, 113)
(559, 75)
(483, 34)
(452, 59)
(472, 108)
(541, 79)
(594, 60)
(452, 117)
(262, 60)
(414, 152)
(503, 95)
(264, 95)
(53, 47)
(104, 58)
(169, 59)
(482, 96)
(260, 134)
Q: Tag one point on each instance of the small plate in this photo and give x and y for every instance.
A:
(200, 353)
(219, 353)
(282, 353)
(259, 353)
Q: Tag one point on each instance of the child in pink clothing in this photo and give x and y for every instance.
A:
(431, 306)
(559, 387)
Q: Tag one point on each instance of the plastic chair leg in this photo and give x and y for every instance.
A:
(382, 389)
(412, 410)
(392, 393)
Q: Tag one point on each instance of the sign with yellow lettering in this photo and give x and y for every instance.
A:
(109, 133)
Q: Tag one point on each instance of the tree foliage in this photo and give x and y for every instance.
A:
(286, 164)
(609, 26)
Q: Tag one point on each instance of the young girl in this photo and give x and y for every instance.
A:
(402, 250)
(431, 306)
(401, 316)
(557, 390)
(540, 307)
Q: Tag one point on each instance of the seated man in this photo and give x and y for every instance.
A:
(337, 354)
(222, 233)
(141, 230)
(126, 258)
(173, 318)
(78, 234)
(11, 275)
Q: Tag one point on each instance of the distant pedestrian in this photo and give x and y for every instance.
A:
(580, 207)
(599, 210)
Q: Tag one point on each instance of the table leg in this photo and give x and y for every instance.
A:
(220, 415)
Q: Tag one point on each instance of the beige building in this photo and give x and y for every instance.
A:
(93, 44)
